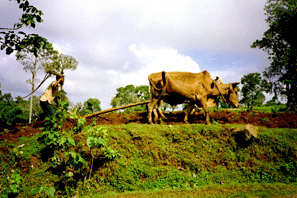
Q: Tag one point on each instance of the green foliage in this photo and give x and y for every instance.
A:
(18, 41)
(80, 120)
(252, 90)
(14, 183)
(56, 121)
(75, 159)
(152, 158)
(49, 191)
(70, 155)
(9, 112)
(90, 106)
(130, 94)
(96, 139)
(60, 62)
(24, 105)
(281, 45)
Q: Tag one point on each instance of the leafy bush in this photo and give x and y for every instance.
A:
(9, 113)
(70, 159)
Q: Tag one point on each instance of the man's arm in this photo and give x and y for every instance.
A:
(58, 81)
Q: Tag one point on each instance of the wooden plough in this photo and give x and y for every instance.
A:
(116, 108)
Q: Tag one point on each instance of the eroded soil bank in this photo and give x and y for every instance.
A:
(270, 120)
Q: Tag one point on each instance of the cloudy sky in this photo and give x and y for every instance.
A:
(118, 43)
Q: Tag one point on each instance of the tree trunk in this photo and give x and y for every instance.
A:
(34, 71)
(292, 103)
(31, 104)
(31, 99)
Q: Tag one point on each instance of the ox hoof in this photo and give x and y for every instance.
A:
(150, 122)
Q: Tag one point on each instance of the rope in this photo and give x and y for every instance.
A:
(47, 75)
(225, 101)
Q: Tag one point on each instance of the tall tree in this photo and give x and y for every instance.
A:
(33, 59)
(252, 90)
(280, 42)
(57, 64)
(12, 40)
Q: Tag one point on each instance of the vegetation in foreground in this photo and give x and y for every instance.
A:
(148, 160)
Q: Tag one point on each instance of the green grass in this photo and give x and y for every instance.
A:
(167, 161)
(235, 190)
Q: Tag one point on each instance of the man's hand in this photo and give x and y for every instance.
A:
(59, 75)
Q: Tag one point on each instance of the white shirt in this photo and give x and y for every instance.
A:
(50, 93)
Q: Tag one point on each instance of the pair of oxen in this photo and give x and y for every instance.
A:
(197, 89)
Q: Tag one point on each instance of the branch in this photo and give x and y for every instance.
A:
(10, 28)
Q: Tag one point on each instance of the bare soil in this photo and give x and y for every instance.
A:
(270, 120)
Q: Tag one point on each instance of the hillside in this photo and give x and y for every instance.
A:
(270, 120)
(140, 160)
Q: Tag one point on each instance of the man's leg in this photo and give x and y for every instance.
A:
(48, 109)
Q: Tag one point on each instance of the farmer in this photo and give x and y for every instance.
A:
(50, 95)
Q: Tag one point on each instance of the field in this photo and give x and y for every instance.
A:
(169, 159)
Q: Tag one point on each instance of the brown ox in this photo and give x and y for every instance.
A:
(212, 102)
(196, 88)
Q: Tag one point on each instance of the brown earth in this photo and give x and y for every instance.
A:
(270, 120)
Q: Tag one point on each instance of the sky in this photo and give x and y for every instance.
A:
(118, 43)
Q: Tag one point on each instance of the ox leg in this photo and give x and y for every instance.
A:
(202, 102)
(151, 105)
(155, 115)
(159, 108)
(197, 108)
(188, 111)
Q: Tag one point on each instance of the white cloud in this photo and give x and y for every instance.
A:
(153, 60)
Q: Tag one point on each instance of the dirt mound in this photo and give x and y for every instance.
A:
(270, 120)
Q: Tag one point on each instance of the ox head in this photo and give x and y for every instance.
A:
(231, 94)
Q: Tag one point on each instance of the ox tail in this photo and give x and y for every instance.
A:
(164, 82)
(153, 87)
(164, 78)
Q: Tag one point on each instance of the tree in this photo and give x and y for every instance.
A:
(33, 59)
(252, 90)
(280, 42)
(91, 105)
(24, 105)
(57, 64)
(60, 62)
(9, 112)
(12, 40)
(130, 94)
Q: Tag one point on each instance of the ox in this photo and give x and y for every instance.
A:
(195, 88)
(191, 108)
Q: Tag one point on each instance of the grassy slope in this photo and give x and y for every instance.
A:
(169, 161)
